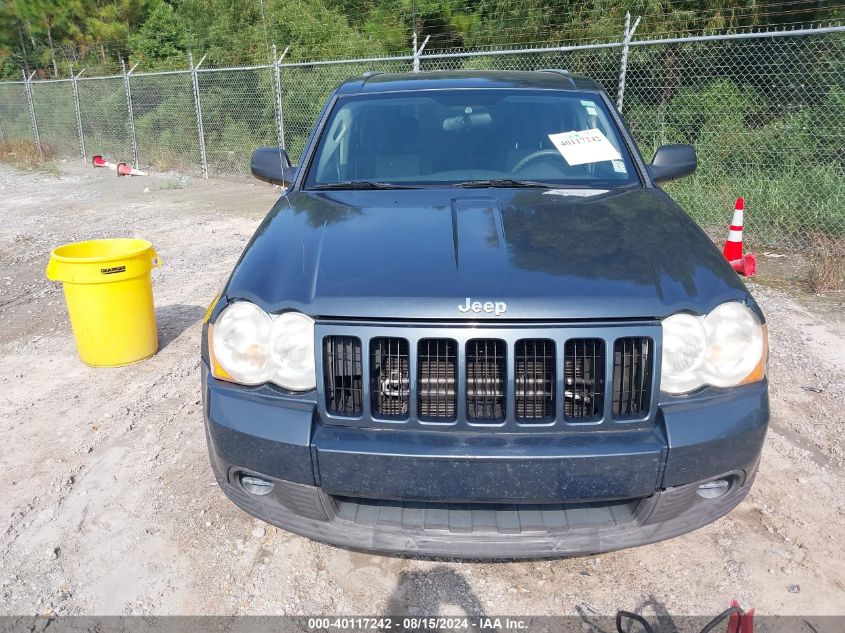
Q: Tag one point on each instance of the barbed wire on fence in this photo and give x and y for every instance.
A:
(766, 111)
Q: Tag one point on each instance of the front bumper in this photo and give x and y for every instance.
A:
(493, 532)
(487, 495)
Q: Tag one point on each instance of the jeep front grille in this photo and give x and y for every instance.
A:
(632, 360)
(424, 376)
(343, 375)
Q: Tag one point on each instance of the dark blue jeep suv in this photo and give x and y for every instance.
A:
(474, 326)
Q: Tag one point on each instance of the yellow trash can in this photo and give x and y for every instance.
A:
(109, 298)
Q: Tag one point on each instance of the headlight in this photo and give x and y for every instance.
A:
(292, 351)
(724, 348)
(734, 344)
(250, 347)
(683, 353)
(241, 343)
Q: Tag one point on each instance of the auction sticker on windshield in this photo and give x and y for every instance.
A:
(585, 146)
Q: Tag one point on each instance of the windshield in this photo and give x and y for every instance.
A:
(471, 138)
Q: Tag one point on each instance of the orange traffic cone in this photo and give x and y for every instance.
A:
(733, 245)
(99, 161)
(745, 266)
(124, 169)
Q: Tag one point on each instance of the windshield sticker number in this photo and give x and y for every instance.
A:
(585, 146)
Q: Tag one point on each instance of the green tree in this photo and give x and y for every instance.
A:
(108, 25)
(162, 36)
(53, 19)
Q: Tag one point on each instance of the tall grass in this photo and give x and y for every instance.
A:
(826, 270)
(787, 163)
(780, 208)
(25, 155)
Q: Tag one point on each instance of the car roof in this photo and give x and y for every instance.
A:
(552, 79)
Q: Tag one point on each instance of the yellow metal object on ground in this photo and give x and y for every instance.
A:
(109, 298)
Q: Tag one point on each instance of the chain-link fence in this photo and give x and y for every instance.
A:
(166, 130)
(14, 112)
(766, 112)
(766, 116)
(104, 118)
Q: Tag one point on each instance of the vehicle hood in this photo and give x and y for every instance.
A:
(419, 254)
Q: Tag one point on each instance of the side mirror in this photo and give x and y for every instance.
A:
(671, 162)
(271, 164)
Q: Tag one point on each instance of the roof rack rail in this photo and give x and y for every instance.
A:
(371, 73)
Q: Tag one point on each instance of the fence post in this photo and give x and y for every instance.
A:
(277, 91)
(130, 110)
(198, 111)
(75, 87)
(418, 51)
(623, 66)
(34, 123)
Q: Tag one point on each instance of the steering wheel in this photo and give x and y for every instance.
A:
(534, 156)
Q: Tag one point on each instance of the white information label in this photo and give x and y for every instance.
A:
(576, 193)
(585, 146)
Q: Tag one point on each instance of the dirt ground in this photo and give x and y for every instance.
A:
(109, 506)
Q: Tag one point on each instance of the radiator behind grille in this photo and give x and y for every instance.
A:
(343, 375)
(485, 381)
(437, 367)
(632, 362)
(390, 377)
(583, 372)
(535, 379)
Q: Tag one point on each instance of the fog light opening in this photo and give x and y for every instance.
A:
(714, 489)
(256, 485)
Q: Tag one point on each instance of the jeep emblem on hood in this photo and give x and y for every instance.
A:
(491, 307)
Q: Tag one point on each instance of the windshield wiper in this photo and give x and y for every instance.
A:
(358, 184)
(503, 182)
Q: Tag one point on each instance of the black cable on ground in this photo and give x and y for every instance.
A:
(724, 615)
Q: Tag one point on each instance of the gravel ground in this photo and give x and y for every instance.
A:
(109, 505)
